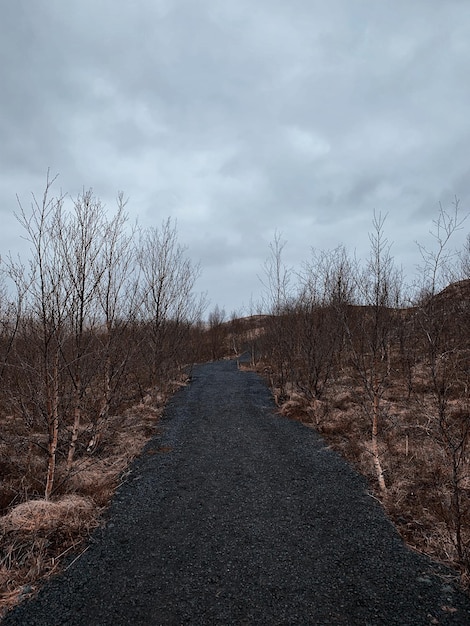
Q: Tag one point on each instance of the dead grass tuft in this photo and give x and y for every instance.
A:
(416, 468)
(71, 512)
(35, 536)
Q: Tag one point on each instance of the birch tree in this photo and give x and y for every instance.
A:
(80, 238)
(369, 331)
(168, 300)
(116, 277)
(44, 324)
(326, 287)
(442, 324)
(279, 339)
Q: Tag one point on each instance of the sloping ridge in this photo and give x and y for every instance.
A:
(235, 515)
(459, 290)
(455, 295)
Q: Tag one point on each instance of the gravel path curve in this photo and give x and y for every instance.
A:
(234, 515)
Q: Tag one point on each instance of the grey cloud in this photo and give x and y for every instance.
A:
(238, 118)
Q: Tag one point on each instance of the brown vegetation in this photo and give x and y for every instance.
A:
(421, 402)
(382, 371)
(96, 331)
(36, 534)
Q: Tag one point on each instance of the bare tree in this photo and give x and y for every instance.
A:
(279, 338)
(276, 278)
(80, 238)
(117, 301)
(369, 330)
(438, 267)
(217, 334)
(45, 324)
(442, 323)
(169, 304)
(326, 287)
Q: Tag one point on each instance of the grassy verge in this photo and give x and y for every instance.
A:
(36, 536)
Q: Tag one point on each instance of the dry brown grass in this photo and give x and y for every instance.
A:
(34, 538)
(417, 470)
(416, 466)
(36, 535)
(44, 516)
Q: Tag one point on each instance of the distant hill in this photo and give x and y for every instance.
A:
(459, 291)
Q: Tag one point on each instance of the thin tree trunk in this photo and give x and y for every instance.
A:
(457, 509)
(53, 419)
(77, 414)
(104, 411)
(375, 445)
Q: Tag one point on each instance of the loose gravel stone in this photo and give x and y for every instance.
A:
(235, 515)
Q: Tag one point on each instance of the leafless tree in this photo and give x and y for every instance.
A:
(279, 338)
(439, 260)
(369, 330)
(217, 333)
(442, 323)
(169, 303)
(326, 288)
(44, 324)
(116, 277)
(79, 236)
(276, 278)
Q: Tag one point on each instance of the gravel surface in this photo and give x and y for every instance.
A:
(235, 515)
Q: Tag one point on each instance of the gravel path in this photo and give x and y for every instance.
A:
(234, 515)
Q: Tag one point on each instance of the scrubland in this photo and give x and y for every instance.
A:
(102, 323)
(97, 328)
(382, 370)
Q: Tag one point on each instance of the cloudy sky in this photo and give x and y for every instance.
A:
(239, 118)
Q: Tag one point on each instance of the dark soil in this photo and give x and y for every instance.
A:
(235, 515)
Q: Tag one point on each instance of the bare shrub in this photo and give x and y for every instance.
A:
(382, 371)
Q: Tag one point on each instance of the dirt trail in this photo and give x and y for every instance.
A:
(234, 515)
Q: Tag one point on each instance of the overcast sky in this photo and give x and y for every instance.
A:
(239, 118)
